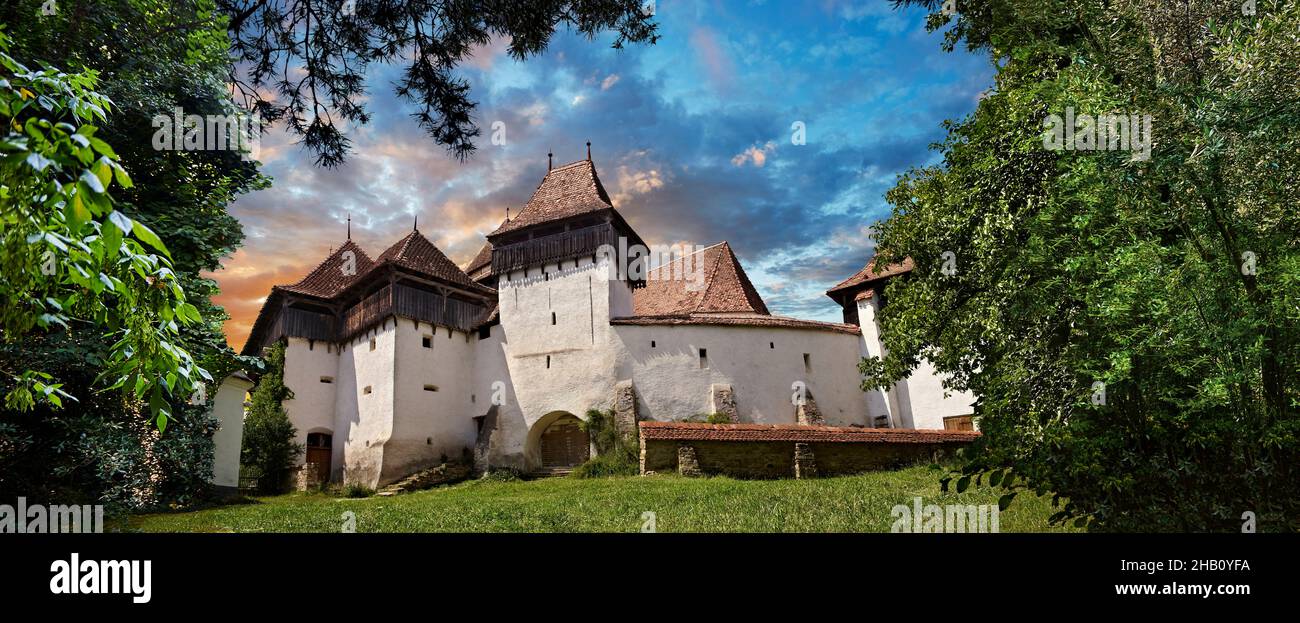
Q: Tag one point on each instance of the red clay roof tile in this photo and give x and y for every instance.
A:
(868, 274)
(566, 191)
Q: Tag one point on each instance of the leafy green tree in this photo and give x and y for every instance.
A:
(152, 56)
(269, 445)
(1128, 318)
(73, 262)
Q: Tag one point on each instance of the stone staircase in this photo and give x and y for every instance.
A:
(444, 474)
(547, 472)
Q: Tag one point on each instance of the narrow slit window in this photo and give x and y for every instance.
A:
(704, 358)
(552, 317)
(548, 362)
(372, 343)
(327, 379)
(807, 362)
(430, 388)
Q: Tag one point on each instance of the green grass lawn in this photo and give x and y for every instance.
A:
(860, 503)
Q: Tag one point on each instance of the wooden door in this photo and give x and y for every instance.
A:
(319, 451)
(564, 444)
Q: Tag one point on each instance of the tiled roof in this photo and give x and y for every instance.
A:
(689, 431)
(868, 274)
(566, 191)
(742, 320)
(707, 281)
(328, 278)
(328, 281)
(416, 253)
(481, 265)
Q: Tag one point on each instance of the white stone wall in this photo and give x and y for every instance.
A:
(492, 382)
(555, 352)
(919, 401)
(428, 425)
(312, 407)
(228, 408)
(558, 345)
(365, 420)
(761, 364)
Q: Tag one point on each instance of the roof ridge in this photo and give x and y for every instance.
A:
(710, 280)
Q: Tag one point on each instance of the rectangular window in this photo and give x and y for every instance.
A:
(366, 390)
(548, 362)
(807, 363)
(430, 388)
(652, 343)
(704, 358)
(426, 341)
(552, 317)
(372, 343)
(327, 379)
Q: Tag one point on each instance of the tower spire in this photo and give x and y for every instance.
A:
(349, 225)
(549, 155)
(417, 223)
(588, 151)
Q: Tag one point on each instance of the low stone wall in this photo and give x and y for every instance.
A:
(787, 451)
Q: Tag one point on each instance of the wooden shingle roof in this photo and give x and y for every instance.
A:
(868, 274)
(566, 191)
(416, 253)
(707, 281)
(329, 278)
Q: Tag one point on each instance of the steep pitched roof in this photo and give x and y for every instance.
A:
(481, 265)
(329, 278)
(566, 191)
(415, 252)
(707, 281)
(868, 274)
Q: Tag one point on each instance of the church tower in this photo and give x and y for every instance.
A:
(557, 288)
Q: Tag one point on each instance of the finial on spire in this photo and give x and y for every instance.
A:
(349, 225)
(549, 155)
(588, 151)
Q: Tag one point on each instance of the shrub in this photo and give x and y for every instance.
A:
(356, 490)
(616, 455)
(709, 418)
(501, 474)
(269, 447)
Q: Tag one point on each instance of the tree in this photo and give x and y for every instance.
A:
(306, 59)
(268, 444)
(151, 56)
(1126, 317)
(72, 261)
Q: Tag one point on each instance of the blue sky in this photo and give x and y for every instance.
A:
(692, 138)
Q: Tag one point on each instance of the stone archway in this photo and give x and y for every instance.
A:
(557, 441)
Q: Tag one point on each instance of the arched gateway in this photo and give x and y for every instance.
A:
(563, 443)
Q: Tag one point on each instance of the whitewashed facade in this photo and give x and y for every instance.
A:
(410, 361)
